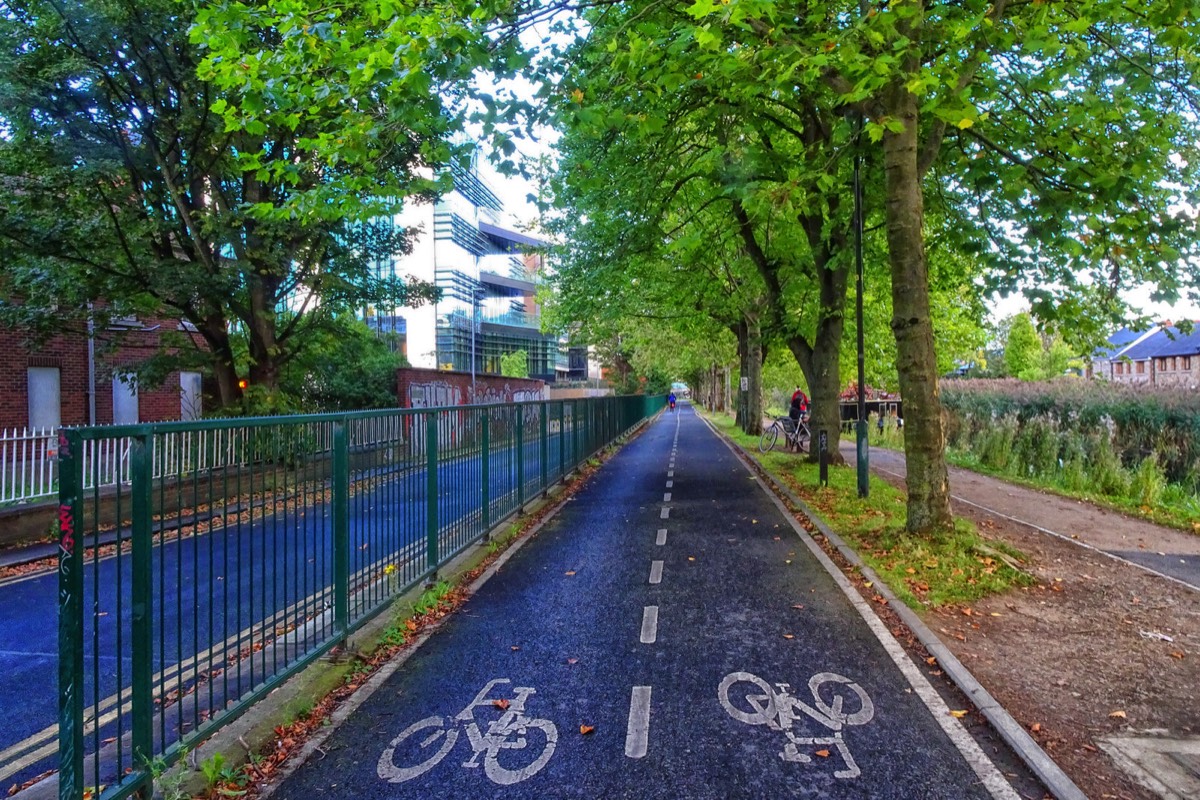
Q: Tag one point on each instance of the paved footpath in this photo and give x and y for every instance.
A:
(672, 609)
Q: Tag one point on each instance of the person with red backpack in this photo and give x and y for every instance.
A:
(799, 407)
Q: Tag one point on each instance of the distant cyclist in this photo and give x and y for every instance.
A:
(671, 400)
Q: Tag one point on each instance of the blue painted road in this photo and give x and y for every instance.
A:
(220, 597)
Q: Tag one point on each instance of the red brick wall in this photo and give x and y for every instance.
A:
(69, 353)
(430, 388)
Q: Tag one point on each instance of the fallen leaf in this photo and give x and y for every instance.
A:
(788, 636)
(787, 561)
(584, 730)
(1035, 727)
(570, 572)
(501, 704)
(997, 614)
(958, 714)
(691, 558)
(572, 660)
(777, 538)
(1176, 654)
(515, 647)
(753, 522)
(931, 661)
(1117, 715)
(868, 584)
(910, 571)
(798, 606)
(822, 753)
(967, 612)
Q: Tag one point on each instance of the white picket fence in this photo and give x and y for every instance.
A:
(29, 456)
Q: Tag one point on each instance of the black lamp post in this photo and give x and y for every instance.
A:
(863, 460)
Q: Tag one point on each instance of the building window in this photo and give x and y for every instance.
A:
(1141, 367)
(191, 404)
(45, 404)
(125, 400)
(1187, 362)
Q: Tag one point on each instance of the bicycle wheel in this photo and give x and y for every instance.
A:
(412, 743)
(804, 440)
(525, 740)
(836, 708)
(768, 438)
(760, 698)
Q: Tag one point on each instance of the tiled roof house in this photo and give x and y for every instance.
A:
(1160, 356)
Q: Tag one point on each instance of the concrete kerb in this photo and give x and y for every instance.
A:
(251, 732)
(1048, 772)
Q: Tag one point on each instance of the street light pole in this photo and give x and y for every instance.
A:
(474, 326)
(863, 463)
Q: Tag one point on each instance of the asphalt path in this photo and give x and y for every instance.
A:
(1169, 552)
(667, 634)
(229, 592)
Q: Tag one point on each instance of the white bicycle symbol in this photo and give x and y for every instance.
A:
(778, 710)
(511, 732)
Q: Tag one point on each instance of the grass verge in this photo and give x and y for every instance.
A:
(948, 568)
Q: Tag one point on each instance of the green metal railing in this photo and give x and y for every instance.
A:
(269, 541)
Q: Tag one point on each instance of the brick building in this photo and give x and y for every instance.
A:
(73, 379)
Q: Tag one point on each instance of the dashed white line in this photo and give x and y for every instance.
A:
(656, 571)
(670, 484)
(666, 497)
(671, 474)
(662, 537)
(637, 734)
(649, 624)
(666, 512)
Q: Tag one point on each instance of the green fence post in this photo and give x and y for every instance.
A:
(520, 457)
(575, 434)
(431, 492)
(544, 455)
(562, 441)
(341, 529)
(141, 468)
(483, 469)
(70, 616)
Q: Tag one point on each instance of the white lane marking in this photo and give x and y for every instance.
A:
(666, 497)
(637, 734)
(656, 571)
(649, 624)
(666, 512)
(670, 484)
(671, 474)
(662, 537)
(671, 465)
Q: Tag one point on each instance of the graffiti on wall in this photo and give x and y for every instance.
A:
(433, 394)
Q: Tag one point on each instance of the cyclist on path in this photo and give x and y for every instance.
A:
(671, 400)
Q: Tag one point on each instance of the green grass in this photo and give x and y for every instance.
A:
(949, 568)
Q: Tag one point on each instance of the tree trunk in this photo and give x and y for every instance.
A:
(753, 373)
(743, 355)
(924, 434)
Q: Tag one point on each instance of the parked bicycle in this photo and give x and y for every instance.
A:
(794, 432)
(511, 733)
(759, 704)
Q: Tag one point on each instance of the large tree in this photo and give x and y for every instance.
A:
(125, 175)
(1064, 132)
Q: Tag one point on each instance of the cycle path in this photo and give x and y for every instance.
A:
(661, 608)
